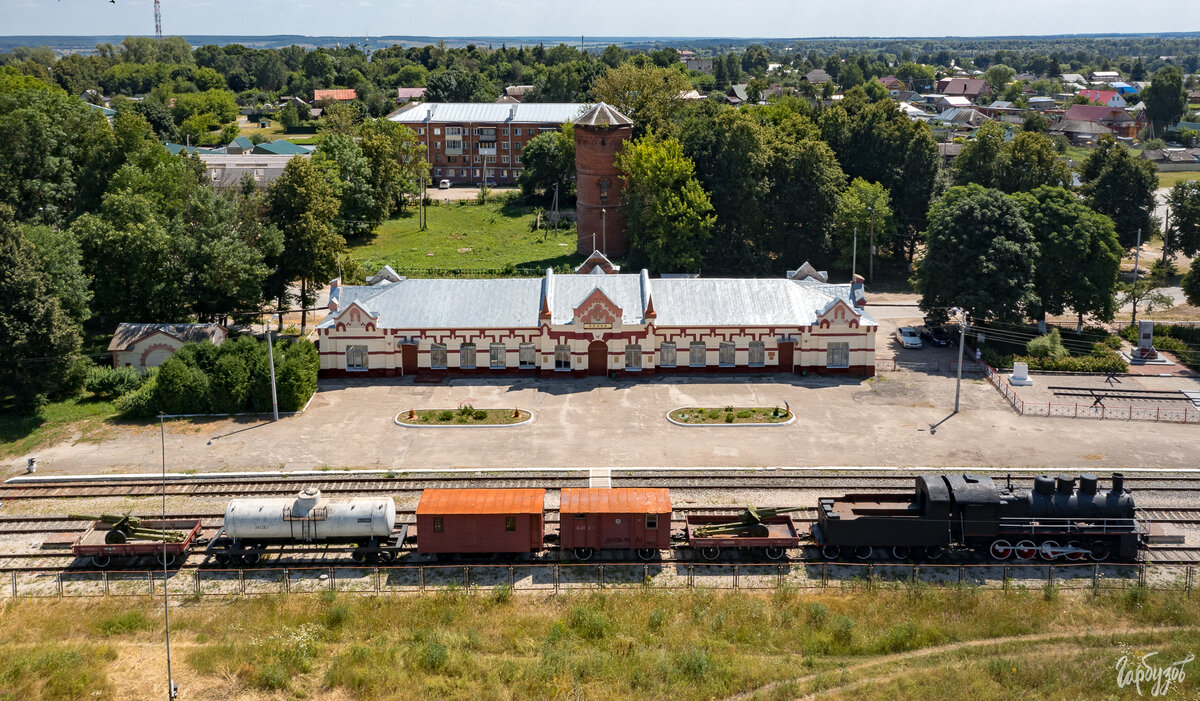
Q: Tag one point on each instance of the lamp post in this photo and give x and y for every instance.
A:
(172, 691)
(271, 369)
(871, 257)
(604, 230)
(962, 337)
(1137, 257)
(854, 255)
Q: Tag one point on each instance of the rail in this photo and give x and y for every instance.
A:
(555, 578)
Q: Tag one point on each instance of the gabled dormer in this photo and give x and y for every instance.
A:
(355, 316)
(597, 261)
(597, 311)
(838, 314)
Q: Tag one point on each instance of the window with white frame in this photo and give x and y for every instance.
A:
(504, 132)
(356, 357)
(454, 131)
(633, 357)
(666, 355)
(437, 131)
(837, 355)
(504, 146)
(437, 356)
(527, 355)
(697, 354)
(421, 131)
(437, 146)
(496, 356)
(517, 132)
(758, 354)
(726, 354)
(504, 159)
(562, 357)
(466, 356)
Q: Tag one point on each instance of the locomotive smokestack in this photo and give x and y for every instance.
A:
(1066, 484)
(1087, 483)
(1118, 483)
(1043, 484)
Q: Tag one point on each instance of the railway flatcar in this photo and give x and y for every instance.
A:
(253, 525)
(106, 546)
(1054, 520)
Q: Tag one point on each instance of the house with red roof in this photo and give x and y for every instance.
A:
(336, 95)
(1115, 119)
(1108, 98)
(970, 88)
(891, 82)
(410, 94)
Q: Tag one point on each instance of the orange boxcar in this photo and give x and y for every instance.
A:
(480, 520)
(615, 519)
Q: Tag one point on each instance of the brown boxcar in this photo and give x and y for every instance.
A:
(615, 519)
(480, 520)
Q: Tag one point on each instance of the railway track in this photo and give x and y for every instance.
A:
(332, 485)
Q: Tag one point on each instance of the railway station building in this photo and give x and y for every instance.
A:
(596, 321)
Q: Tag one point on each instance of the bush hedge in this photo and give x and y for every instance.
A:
(1110, 362)
(109, 383)
(232, 378)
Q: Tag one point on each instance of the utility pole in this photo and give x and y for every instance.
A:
(604, 230)
(555, 215)
(1137, 256)
(1166, 233)
(172, 690)
(854, 256)
(962, 337)
(871, 257)
(271, 369)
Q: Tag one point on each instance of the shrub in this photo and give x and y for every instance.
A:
(729, 417)
(141, 403)
(479, 415)
(110, 383)
(1047, 346)
(744, 414)
(121, 623)
(446, 415)
(182, 389)
(465, 409)
(229, 385)
(714, 414)
(1110, 362)
(432, 656)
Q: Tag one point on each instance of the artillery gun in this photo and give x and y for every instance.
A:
(126, 527)
(749, 523)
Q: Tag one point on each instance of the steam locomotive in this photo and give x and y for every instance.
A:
(1054, 520)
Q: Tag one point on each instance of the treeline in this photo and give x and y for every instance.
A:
(100, 224)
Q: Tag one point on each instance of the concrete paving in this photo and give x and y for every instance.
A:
(902, 418)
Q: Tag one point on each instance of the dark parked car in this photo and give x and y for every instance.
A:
(937, 336)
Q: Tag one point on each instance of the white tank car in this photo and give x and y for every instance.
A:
(309, 517)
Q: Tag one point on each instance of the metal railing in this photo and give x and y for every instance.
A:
(938, 365)
(1187, 415)
(568, 577)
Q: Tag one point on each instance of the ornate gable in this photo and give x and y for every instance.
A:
(597, 261)
(356, 317)
(597, 311)
(838, 314)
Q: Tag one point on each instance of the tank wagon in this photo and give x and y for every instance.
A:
(253, 525)
(1053, 520)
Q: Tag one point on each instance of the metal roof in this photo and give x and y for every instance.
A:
(604, 115)
(447, 303)
(491, 112)
(615, 501)
(437, 502)
(128, 334)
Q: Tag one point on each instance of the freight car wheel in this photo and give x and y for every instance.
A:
(710, 553)
(934, 553)
(358, 556)
(584, 554)
(1001, 549)
(165, 559)
(1077, 554)
(101, 561)
(1049, 550)
(251, 558)
(864, 552)
(830, 552)
(223, 559)
(1026, 550)
(1100, 551)
(776, 553)
(386, 556)
(647, 554)
(900, 552)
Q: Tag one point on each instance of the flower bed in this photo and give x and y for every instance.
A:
(465, 415)
(714, 416)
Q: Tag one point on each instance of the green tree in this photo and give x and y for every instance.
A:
(1078, 255)
(1121, 185)
(181, 388)
(669, 216)
(1165, 98)
(979, 256)
(861, 207)
(62, 262)
(549, 159)
(222, 271)
(1028, 162)
(804, 181)
(1191, 283)
(360, 213)
(649, 96)
(998, 76)
(977, 163)
(1036, 122)
(229, 384)
(1184, 202)
(397, 160)
(219, 103)
(303, 206)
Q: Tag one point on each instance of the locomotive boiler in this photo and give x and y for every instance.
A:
(1053, 520)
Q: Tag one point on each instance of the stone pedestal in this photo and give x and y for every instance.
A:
(1020, 375)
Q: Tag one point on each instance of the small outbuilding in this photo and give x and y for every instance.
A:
(615, 519)
(149, 345)
(480, 520)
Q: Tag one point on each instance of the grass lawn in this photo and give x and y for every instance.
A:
(915, 642)
(21, 432)
(465, 236)
(463, 417)
(731, 415)
(1179, 176)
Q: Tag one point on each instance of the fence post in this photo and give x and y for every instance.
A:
(1096, 580)
(601, 575)
(103, 577)
(962, 573)
(196, 581)
(1142, 575)
(691, 576)
(376, 578)
(59, 584)
(1006, 577)
(824, 574)
(13, 577)
(150, 582)
(421, 578)
(1050, 576)
(735, 576)
(467, 578)
(556, 577)
(916, 572)
(512, 577)
(1187, 582)
(870, 576)
(242, 580)
(645, 575)
(332, 580)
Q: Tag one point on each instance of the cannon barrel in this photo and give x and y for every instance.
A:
(748, 522)
(131, 527)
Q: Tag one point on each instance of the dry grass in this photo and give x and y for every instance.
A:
(646, 644)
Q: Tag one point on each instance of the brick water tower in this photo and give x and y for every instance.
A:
(599, 135)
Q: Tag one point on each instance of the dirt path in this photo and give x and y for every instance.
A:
(938, 650)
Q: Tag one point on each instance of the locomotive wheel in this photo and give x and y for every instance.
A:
(933, 552)
(775, 553)
(830, 552)
(1001, 549)
(710, 553)
(1046, 551)
(900, 552)
(1100, 551)
(864, 552)
(584, 554)
(1026, 550)
(101, 561)
(165, 559)
(1075, 556)
(647, 554)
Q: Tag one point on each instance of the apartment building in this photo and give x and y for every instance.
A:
(468, 142)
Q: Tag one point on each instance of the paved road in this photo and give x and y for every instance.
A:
(901, 419)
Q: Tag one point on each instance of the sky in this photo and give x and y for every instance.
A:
(680, 18)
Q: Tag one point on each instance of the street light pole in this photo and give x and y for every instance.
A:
(871, 257)
(172, 692)
(962, 337)
(1137, 257)
(271, 369)
(604, 230)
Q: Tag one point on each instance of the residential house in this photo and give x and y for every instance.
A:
(1123, 88)
(697, 64)
(970, 88)
(948, 152)
(1041, 104)
(1109, 98)
(519, 92)
(1101, 77)
(962, 117)
(109, 114)
(1114, 118)
(945, 102)
(462, 139)
(145, 346)
(335, 95)
(596, 321)
(410, 94)
(891, 82)
(176, 149)
(281, 148)
(228, 170)
(239, 146)
(816, 76)
(1169, 159)
(1080, 131)
(1074, 79)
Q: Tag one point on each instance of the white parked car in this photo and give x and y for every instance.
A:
(444, 185)
(908, 337)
